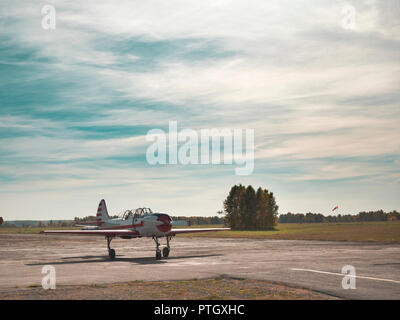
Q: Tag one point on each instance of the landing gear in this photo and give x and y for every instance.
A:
(111, 252)
(158, 251)
(165, 251)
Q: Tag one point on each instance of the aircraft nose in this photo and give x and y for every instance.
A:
(166, 223)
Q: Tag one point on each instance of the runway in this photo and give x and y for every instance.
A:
(316, 265)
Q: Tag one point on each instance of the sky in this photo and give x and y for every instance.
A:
(76, 102)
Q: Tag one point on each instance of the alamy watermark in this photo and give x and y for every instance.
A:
(192, 147)
(349, 280)
(348, 17)
(49, 18)
(49, 280)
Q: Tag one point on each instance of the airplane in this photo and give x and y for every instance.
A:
(136, 223)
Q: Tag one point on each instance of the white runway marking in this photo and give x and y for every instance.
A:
(346, 275)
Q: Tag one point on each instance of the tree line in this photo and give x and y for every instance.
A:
(247, 209)
(38, 224)
(363, 216)
(89, 219)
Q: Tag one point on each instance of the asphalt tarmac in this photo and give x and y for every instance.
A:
(316, 265)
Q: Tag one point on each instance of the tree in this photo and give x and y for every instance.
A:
(261, 208)
(247, 209)
(232, 206)
(272, 213)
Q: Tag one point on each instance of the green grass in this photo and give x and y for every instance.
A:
(352, 231)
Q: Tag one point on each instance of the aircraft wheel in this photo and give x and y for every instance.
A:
(165, 252)
(158, 255)
(111, 253)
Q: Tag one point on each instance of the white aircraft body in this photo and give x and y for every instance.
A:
(141, 222)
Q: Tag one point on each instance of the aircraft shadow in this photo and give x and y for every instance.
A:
(139, 260)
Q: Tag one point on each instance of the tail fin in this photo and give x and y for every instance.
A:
(102, 213)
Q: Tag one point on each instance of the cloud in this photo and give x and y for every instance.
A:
(77, 101)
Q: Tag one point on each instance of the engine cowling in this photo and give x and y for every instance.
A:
(166, 223)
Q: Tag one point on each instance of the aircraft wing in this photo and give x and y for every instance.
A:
(193, 230)
(111, 233)
(126, 232)
(87, 226)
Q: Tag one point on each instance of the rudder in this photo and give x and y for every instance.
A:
(102, 213)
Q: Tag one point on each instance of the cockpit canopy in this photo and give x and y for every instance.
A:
(135, 213)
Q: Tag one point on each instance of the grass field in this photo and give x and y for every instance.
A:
(353, 231)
